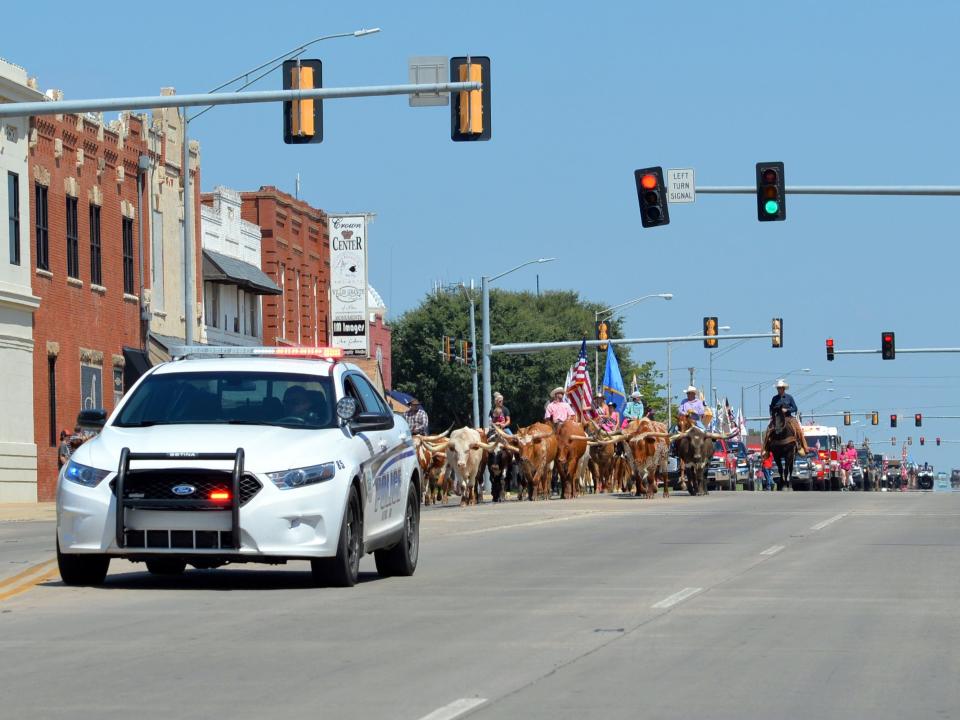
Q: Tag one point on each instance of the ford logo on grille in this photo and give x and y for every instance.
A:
(183, 489)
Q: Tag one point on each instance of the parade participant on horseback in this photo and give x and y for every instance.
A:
(558, 410)
(784, 435)
(693, 408)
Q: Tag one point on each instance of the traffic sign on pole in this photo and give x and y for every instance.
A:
(680, 186)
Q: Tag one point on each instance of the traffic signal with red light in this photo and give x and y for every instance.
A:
(653, 197)
(776, 327)
(893, 421)
(602, 330)
(710, 331)
(922, 441)
(846, 418)
(302, 119)
(875, 418)
(470, 109)
(830, 349)
(771, 193)
(938, 442)
(888, 346)
(918, 419)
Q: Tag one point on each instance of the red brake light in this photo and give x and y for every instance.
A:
(219, 494)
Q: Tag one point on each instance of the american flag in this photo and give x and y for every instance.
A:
(578, 389)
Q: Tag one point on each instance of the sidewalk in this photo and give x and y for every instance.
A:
(14, 512)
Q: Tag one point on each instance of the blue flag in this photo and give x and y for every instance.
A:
(613, 382)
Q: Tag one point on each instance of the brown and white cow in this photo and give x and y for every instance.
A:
(465, 456)
(432, 457)
(537, 446)
(571, 447)
(646, 454)
(609, 467)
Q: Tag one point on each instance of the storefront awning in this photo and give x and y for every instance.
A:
(220, 268)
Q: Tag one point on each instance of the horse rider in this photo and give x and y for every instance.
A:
(784, 403)
(693, 407)
(633, 410)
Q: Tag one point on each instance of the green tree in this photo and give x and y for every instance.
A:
(525, 380)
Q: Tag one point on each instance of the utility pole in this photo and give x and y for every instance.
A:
(693, 372)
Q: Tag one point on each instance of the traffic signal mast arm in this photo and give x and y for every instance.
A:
(517, 348)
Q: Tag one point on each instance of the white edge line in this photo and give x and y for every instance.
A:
(454, 709)
(828, 521)
(677, 597)
(773, 550)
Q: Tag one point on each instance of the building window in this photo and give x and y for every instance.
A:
(91, 387)
(73, 244)
(283, 300)
(43, 244)
(13, 203)
(128, 286)
(117, 385)
(212, 304)
(156, 261)
(52, 394)
(253, 304)
(96, 275)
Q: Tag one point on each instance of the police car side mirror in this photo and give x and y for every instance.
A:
(347, 408)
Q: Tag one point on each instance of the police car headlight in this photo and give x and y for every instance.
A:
(84, 474)
(298, 477)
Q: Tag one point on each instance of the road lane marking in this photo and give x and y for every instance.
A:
(677, 597)
(455, 709)
(13, 579)
(773, 550)
(828, 521)
(29, 584)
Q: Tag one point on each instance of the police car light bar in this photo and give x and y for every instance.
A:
(320, 353)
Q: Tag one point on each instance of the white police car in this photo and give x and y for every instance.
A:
(244, 455)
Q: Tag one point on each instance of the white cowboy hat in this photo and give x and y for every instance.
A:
(635, 395)
(781, 383)
(555, 391)
(691, 389)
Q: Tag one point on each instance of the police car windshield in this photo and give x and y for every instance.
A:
(242, 398)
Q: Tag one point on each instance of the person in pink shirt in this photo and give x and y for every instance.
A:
(847, 458)
(558, 411)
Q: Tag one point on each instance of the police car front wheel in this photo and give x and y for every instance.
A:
(343, 570)
(82, 569)
(401, 559)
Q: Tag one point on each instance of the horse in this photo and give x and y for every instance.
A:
(784, 436)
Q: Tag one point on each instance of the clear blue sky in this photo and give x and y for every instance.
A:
(843, 93)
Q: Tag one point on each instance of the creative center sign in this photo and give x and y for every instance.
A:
(348, 284)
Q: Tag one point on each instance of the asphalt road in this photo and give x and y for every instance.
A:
(737, 605)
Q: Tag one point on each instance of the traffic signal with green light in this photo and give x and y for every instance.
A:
(893, 421)
(470, 109)
(771, 192)
(830, 349)
(888, 346)
(918, 419)
(776, 327)
(653, 197)
(302, 119)
(710, 332)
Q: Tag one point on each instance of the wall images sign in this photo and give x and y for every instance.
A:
(348, 284)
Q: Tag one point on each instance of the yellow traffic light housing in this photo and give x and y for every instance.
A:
(302, 119)
(776, 327)
(710, 328)
(470, 109)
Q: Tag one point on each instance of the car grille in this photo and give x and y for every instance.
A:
(179, 539)
(159, 484)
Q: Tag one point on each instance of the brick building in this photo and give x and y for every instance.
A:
(85, 255)
(296, 256)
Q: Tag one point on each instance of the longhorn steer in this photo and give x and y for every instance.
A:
(432, 457)
(501, 462)
(694, 448)
(465, 454)
(571, 446)
(537, 447)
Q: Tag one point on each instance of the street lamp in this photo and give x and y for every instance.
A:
(596, 319)
(188, 240)
(829, 402)
(468, 294)
(485, 311)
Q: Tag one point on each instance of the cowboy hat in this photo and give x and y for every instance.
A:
(555, 391)
(635, 395)
(691, 389)
(781, 383)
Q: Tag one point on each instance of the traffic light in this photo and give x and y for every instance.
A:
(602, 329)
(470, 109)
(652, 196)
(830, 349)
(446, 349)
(302, 119)
(922, 440)
(910, 440)
(938, 442)
(776, 327)
(846, 418)
(893, 441)
(893, 421)
(875, 418)
(469, 346)
(710, 331)
(918, 419)
(771, 193)
(888, 347)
